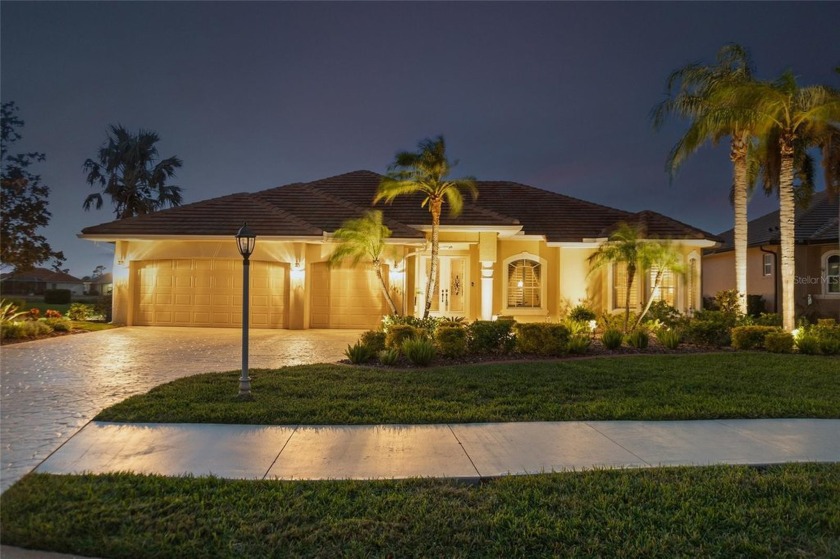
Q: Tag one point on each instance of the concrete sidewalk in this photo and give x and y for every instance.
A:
(460, 451)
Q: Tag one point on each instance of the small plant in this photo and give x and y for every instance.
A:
(579, 345)
(34, 313)
(778, 342)
(9, 311)
(750, 337)
(582, 313)
(389, 357)
(399, 333)
(451, 340)
(664, 314)
(52, 314)
(638, 339)
(58, 325)
(374, 340)
(671, 339)
(808, 344)
(358, 353)
(79, 311)
(419, 351)
(612, 338)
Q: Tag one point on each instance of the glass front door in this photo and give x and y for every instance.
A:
(450, 297)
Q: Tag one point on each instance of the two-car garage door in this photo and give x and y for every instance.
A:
(198, 292)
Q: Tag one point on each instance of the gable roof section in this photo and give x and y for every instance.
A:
(658, 226)
(314, 208)
(815, 224)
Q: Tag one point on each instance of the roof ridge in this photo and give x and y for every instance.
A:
(559, 195)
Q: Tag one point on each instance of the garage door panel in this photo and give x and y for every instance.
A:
(346, 297)
(208, 293)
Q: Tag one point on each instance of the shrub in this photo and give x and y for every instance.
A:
(79, 311)
(669, 338)
(750, 337)
(389, 357)
(612, 338)
(727, 301)
(57, 296)
(451, 341)
(609, 321)
(778, 342)
(638, 339)
(34, 313)
(579, 344)
(374, 340)
(428, 324)
(663, 313)
(767, 319)
(24, 330)
(582, 313)
(52, 314)
(419, 351)
(808, 343)
(59, 325)
(104, 307)
(577, 328)
(711, 328)
(399, 333)
(491, 336)
(9, 311)
(358, 353)
(829, 346)
(542, 338)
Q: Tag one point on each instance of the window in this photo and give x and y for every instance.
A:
(831, 281)
(768, 264)
(524, 284)
(620, 287)
(667, 289)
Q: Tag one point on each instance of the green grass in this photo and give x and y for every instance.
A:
(725, 385)
(781, 511)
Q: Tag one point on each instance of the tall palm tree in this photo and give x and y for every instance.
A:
(698, 93)
(624, 246)
(128, 171)
(364, 238)
(793, 118)
(427, 172)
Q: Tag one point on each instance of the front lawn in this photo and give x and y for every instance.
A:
(652, 387)
(725, 511)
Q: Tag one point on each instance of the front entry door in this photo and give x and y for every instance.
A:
(450, 297)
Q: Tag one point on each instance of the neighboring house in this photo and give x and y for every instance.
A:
(100, 285)
(517, 250)
(817, 281)
(38, 280)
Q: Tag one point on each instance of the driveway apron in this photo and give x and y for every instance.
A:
(51, 388)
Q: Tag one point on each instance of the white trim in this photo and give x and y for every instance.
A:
(586, 244)
(543, 308)
(824, 273)
(504, 231)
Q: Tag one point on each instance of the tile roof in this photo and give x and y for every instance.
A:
(815, 224)
(40, 275)
(321, 206)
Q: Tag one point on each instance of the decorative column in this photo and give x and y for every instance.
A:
(487, 257)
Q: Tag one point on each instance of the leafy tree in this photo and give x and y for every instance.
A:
(364, 238)
(426, 172)
(623, 247)
(24, 201)
(128, 171)
(791, 120)
(699, 94)
(98, 272)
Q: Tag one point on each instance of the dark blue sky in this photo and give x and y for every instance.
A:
(255, 95)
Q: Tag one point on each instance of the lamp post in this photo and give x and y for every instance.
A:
(245, 242)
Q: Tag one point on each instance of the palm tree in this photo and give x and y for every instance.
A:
(623, 247)
(128, 171)
(698, 93)
(364, 238)
(426, 172)
(792, 119)
(662, 257)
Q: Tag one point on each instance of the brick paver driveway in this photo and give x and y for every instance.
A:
(51, 388)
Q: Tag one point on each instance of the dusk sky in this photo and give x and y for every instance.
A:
(256, 95)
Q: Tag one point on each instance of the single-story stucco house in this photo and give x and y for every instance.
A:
(517, 250)
(38, 280)
(817, 254)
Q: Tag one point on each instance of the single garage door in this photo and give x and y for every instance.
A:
(208, 293)
(345, 297)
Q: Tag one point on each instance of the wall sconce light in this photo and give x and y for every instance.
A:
(297, 272)
(396, 279)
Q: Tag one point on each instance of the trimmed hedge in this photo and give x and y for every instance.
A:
(778, 342)
(451, 341)
(542, 338)
(491, 336)
(751, 337)
(399, 333)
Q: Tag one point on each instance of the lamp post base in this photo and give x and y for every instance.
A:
(245, 388)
